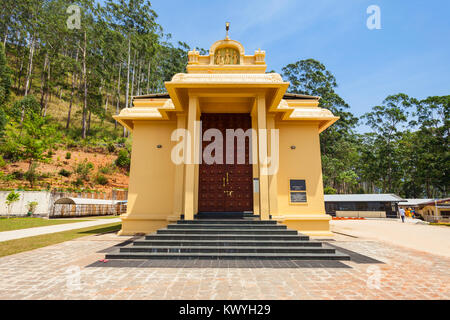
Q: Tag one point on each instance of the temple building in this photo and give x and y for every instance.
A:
(227, 140)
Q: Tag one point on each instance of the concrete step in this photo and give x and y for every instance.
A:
(225, 215)
(225, 237)
(227, 231)
(226, 249)
(227, 221)
(227, 226)
(216, 256)
(228, 243)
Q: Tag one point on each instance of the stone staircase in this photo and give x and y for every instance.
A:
(227, 239)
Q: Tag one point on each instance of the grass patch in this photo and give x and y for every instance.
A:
(29, 222)
(31, 243)
(446, 224)
(101, 217)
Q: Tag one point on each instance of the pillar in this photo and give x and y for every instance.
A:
(191, 155)
(273, 187)
(262, 157)
(255, 166)
(179, 176)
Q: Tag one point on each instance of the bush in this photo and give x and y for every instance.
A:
(329, 190)
(29, 104)
(65, 173)
(68, 155)
(10, 150)
(101, 179)
(83, 170)
(71, 145)
(17, 175)
(31, 175)
(2, 162)
(107, 169)
(123, 159)
(111, 148)
(78, 182)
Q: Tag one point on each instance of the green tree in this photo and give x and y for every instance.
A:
(431, 145)
(33, 138)
(339, 155)
(10, 199)
(388, 122)
(5, 86)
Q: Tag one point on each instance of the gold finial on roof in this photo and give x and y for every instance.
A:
(227, 27)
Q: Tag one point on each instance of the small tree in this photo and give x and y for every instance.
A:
(31, 206)
(33, 139)
(10, 199)
(123, 159)
(83, 170)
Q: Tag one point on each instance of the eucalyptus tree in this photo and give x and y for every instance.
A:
(134, 19)
(388, 121)
(8, 19)
(5, 87)
(433, 118)
(311, 77)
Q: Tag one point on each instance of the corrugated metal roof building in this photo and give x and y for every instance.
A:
(362, 205)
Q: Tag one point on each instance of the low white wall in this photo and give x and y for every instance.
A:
(19, 208)
(46, 200)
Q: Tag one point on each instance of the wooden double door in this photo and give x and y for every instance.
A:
(226, 187)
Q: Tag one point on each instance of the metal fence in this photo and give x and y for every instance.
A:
(84, 210)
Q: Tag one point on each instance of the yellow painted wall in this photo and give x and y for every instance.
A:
(301, 163)
(152, 174)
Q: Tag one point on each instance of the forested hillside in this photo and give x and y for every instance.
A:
(62, 79)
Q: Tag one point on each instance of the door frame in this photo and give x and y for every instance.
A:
(250, 151)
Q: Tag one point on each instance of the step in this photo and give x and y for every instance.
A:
(227, 226)
(229, 243)
(227, 231)
(224, 215)
(224, 237)
(228, 221)
(217, 256)
(226, 249)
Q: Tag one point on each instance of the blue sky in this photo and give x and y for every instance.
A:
(410, 54)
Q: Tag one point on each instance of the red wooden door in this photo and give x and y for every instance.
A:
(226, 187)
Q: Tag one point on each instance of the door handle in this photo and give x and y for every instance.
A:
(223, 182)
(227, 177)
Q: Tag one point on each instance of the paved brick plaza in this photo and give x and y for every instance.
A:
(71, 270)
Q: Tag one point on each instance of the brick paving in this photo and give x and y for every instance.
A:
(71, 270)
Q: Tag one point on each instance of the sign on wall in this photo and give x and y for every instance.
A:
(297, 191)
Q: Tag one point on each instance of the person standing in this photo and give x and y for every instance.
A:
(402, 214)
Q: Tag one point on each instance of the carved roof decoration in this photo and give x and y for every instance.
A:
(226, 56)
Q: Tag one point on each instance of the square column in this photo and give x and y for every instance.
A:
(191, 158)
(262, 157)
(273, 186)
(179, 176)
(255, 166)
